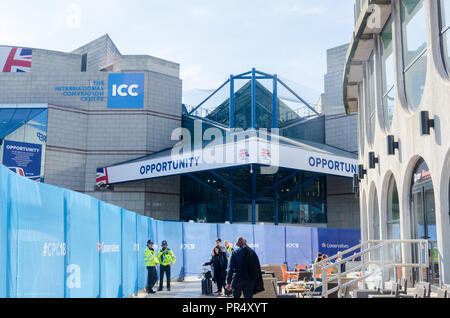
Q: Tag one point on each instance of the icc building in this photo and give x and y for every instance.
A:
(105, 124)
(87, 109)
(397, 80)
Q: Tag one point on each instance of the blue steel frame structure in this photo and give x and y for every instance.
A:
(253, 197)
(254, 75)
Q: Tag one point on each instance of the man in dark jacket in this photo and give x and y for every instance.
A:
(244, 271)
(219, 264)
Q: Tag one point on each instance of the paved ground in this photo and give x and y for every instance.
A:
(185, 289)
(192, 289)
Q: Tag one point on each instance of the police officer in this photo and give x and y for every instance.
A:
(166, 259)
(229, 249)
(151, 260)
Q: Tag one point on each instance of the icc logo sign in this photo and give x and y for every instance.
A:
(126, 90)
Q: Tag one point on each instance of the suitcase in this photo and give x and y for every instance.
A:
(206, 286)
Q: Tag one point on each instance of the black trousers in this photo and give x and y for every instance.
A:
(242, 287)
(152, 277)
(164, 269)
(220, 281)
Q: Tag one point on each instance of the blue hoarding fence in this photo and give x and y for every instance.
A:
(172, 232)
(57, 243)
(331, 241)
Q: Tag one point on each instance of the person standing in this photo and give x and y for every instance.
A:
(219, 245)
(338, 259)
(229, 249)
(318, 258)
(219, 265)
(244, 271)
(151, 260)
(166, 259)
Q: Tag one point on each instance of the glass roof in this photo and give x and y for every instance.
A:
(290, 106)
(13, 118)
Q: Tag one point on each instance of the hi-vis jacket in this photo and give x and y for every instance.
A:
(150, 257)
(229, 251)
(166, 257)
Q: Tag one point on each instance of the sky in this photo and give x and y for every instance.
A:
(210, 39)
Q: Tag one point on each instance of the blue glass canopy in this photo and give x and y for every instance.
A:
(13, 118)
(253, 100)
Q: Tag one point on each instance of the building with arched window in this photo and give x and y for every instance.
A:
(397, 80)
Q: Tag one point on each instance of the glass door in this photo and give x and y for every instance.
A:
(393, 229)
(430, 234)
(416, 228)
(423, 223)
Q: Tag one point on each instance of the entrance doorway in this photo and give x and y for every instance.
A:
(393, 227)
(423, 219)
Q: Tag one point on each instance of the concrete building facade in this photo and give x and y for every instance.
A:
(83, 134)
(340, 132)
(332, 99)
(397, 80)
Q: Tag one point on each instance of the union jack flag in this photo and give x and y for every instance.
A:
(243, 154)
(101, 177)
(265, 153)
(15, 59)
(17, 170)
(21, 172)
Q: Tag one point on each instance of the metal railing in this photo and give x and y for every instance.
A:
(372, 253)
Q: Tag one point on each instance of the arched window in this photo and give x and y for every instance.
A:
(393, 225)
(374, 223)
(370, 99)
(444, 15)
(387, 63)
(375, 217)
(364, 223)
(414, 38)
(423, 215)
(393, 211)
(361, 134)
(423, 211)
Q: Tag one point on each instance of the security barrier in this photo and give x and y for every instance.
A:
(301, 245)
(130, 255)
(332, 240)
(198, 241)
(82, 269)
(270, 244)
(4, 193)
(231, 231)
(57, 243)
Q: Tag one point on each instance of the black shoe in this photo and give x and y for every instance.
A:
(152, 291)
(160, 289)
(168, 288)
